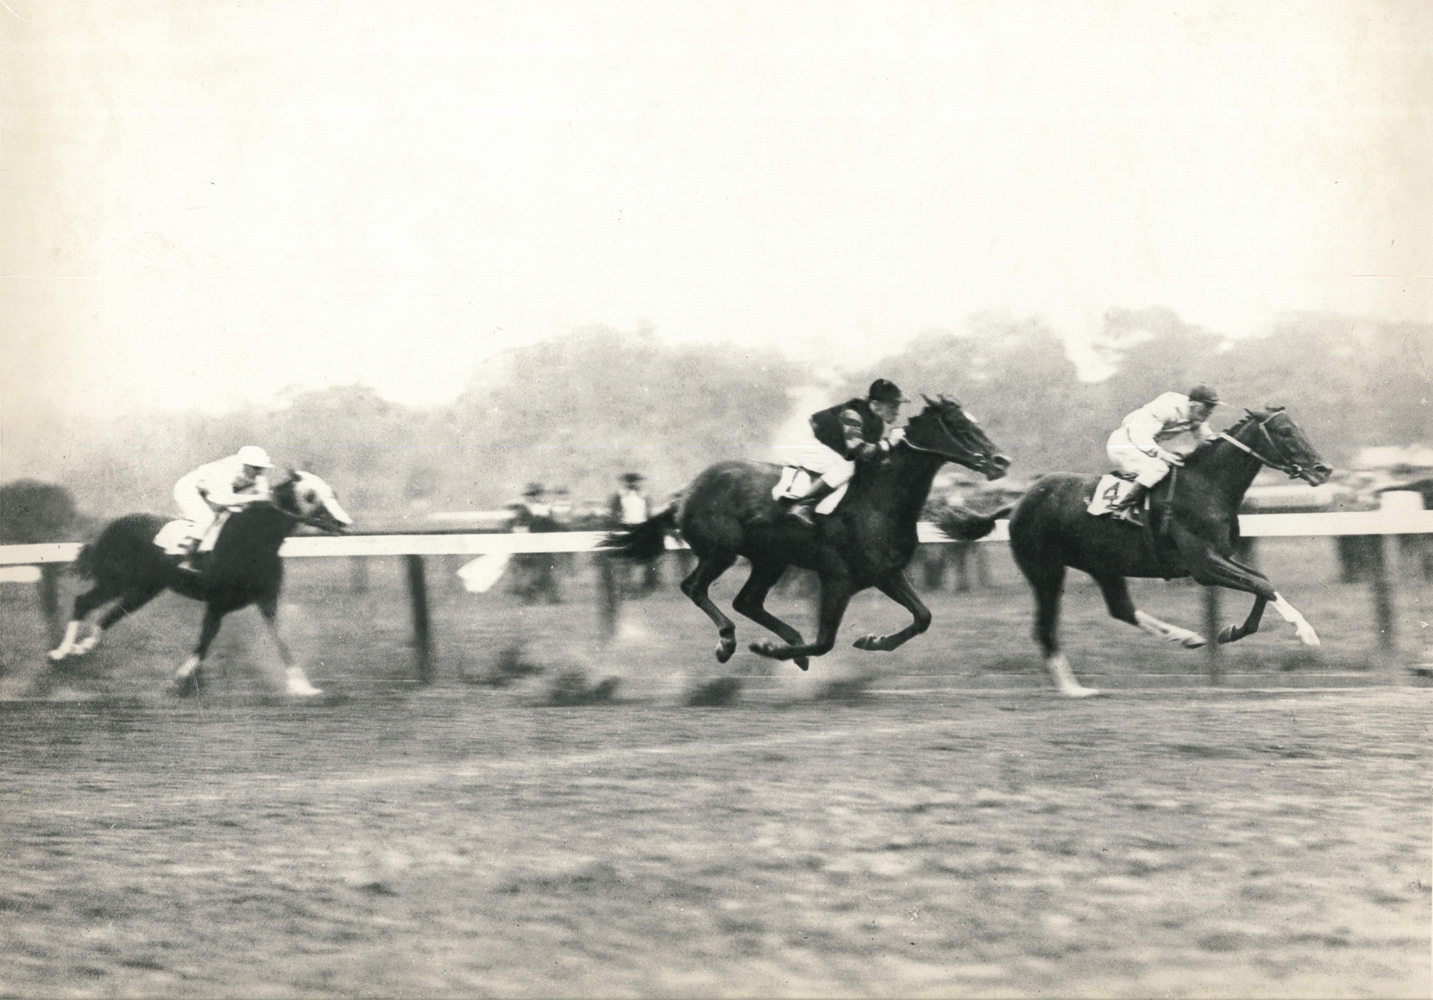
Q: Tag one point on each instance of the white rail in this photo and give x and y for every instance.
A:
(1375, 522)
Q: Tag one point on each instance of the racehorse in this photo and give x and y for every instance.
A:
(728, 511)
(244, 568)
(1194, 531)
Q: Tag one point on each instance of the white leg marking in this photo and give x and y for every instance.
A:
(296, 683)
(1065, 679)
(89, 642)
(1290, 614)
(1169, 633)
(67, 644)
(187, 668)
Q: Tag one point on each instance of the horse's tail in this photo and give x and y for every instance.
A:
(643, 542)
(84, 564)
(965, 525)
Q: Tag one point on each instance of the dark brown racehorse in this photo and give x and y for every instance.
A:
(728, 511)
(244, 568)
(1196, 534)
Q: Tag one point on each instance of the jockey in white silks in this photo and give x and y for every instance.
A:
(232, 481)
(850, 432)
(1138, 447)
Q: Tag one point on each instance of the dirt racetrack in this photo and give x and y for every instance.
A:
(943, 827)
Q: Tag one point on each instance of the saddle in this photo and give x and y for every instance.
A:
(171, 536)
(1111, 489)
(796, 481)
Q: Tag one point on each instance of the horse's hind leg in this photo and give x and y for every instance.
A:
(751, 602)
(187, 678)
(296, 682)
(898, 589)
(1047, 579)
(696, 585)
(100, 593)
(1117, 599)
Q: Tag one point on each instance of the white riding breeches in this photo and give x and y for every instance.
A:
(819, 459)
(1128, 458)
(196, 510)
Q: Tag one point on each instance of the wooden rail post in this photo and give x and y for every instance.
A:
(358, 574)
(1378, 569)
(422, 637)
(1213, 650)
(609, 596)
(49, 585)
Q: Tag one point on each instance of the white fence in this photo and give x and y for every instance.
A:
(1402, 514)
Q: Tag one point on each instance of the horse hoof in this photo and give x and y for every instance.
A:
(56, 655)
(866, 642)
(186, 687)
(1229, 633)
(1195, 642)
(763, 649)
(802, 662)
(724, 651)
(1080, 691)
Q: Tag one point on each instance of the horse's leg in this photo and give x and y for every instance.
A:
(296, 682)
(1117, 599)
(1214, 570)
(129, 602)
(695, 586)
(752, 603)
(1047, 579)
(1233, 633)
(187, 678)
(835, 595)
(898, 589)
(100, 593)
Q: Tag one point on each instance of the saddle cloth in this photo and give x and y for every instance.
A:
(174, 532)
(795, 479)
(1111, 490)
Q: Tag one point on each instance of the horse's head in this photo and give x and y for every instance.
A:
(945, 429)
(312, 501)
(1273, 437)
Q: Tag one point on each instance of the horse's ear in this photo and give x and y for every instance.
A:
(928, 400)
(1273, 409)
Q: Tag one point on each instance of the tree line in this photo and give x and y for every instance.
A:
(576, 411)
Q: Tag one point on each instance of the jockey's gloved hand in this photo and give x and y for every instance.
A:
(897, 435)
(1170, 458)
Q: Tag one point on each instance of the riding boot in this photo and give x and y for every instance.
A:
(1131, 503)
(191, 551)
(803, 509)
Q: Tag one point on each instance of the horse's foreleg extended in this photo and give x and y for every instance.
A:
(187, 678)
(898, 589)
(751, 602)
(1214, 570)
(835, 595)
(296, 682)
(696, 585)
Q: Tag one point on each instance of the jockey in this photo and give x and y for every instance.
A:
(231, 481)
(1138, 446)
(850, 432)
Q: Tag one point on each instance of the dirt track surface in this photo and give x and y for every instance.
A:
(467, 842)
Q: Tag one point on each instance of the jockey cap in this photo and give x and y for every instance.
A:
(885, 391)
(252, 454)
(1204, 394)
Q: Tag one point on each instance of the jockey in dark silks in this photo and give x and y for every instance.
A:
(850, 432)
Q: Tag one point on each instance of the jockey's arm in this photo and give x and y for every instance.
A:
(857, 447)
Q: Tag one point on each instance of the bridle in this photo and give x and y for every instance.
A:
(974, 454)
(1286, 465)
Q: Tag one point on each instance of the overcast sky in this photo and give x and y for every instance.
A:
(204, 202)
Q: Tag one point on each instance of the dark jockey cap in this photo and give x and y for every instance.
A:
(885, 391)
(1204, 394)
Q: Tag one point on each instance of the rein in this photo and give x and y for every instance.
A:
(1291, 469)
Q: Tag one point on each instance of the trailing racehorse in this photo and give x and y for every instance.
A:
(728, 511)
(1194, 532)
(244, 568)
